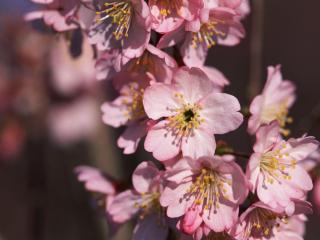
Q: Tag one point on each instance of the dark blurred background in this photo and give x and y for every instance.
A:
(43, 134)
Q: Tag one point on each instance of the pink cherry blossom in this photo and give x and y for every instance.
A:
(109, 63)
(222, 3)
(207, 190)
(220, 27)
(127, 110)
(242, 7)
(169, 14)
(274, 102)
(103, 190)
(157, 64)
(142, 201)
(312, 161)
(190, 112)
(62, 15)
(260, 222)
(95, 181)
(273, 167)
(297, 224)
(123, 25)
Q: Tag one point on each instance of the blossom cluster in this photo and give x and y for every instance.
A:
(194, 186)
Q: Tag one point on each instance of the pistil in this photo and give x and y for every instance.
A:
(185, 120)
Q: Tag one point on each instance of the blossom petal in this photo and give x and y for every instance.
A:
(194, 83)
(220, 113)
(123, 207)
(143, 176)
(159, 101)
(161, 142)
(198, 144)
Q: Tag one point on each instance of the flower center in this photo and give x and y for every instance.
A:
(168, 7)
(279, 113)
(121, 14)
(133, 105)
(208, 35)
(207, 189)
(148, 204)
(262, 223)
(275, 165)
(186, 119)
(143, 64)
(188, 115)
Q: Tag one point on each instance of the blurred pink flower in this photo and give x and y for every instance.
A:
(142, 201)
(72, 74)
(95, 181)
(127, 110)
(62, 15)
(123, 25)
(274, 168)
(168, 15)
(103, 189)
(260, 222)
(277, 97)
(218, 26)
(207, 190)
(73, 122)
(189, 114)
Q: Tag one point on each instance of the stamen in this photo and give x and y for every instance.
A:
(207, 189)
(143, 64)
(263, 222)
(121, 13)
(168, 7)
(134, 108)
(279, 113)
(274, 165)
(185, 121)
(149, 204)
(207, 35)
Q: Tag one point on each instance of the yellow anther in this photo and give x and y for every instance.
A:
(279, 113)
(133, 108)
(120, 13)
(207, 35)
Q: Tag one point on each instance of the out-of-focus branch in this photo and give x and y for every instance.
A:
(256, 47)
